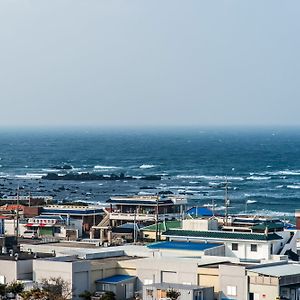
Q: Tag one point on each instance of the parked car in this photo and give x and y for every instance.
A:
(29, 234)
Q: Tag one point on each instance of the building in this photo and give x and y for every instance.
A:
(149, 232)
(277, 281)
(138, 209)
(157, 291)
(260, 243)
(17, 265)
(89, 215)
(96, 272)
(55, 226)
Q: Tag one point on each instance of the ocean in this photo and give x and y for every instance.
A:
(262, 166)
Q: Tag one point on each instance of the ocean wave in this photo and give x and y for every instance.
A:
(258, 177)
(251, 201)
(272, 213)
(145, 166)
(279, 173)
(99, 167)
(30, 176)
(209, 177)
(293, 186)
(50, 170)
(287, 172)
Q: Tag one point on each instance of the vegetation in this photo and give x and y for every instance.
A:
(50, 289)
(173, 294)
(15, 288)
(86, 295)
(108, 296)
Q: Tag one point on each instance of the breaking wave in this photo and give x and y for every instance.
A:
(145, 166)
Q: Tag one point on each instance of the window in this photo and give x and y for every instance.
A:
(149, 292)
(231, 290)
(148, 281)
(234, 246)
(253, 247)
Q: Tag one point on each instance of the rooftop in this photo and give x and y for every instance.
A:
(163, 226)
(183, 246)
(278, 270)
(177, 286)
(200, 211)
(223, 235)
(115, 279)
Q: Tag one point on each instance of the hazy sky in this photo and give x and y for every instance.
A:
(165, 62)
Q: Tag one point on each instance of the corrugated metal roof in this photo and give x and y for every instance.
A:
(278, 270)
(163, 226)
(183, 246)
(223, 235)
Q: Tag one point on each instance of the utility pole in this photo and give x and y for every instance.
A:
(17, 214)
(227, 202)
(156, 219)
(134, 227)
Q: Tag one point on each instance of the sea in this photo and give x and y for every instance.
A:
(260, 165)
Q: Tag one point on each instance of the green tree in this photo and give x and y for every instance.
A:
(34, 294)
(86, 295)
(109, 296)
(2, 290)
(173, 294)
(56, 288)
(15, 287)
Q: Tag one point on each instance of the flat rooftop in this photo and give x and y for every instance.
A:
(24, 256)
(278, 270)
(177, 286)
(189, 246)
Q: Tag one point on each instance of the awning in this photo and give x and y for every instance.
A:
(38, 225)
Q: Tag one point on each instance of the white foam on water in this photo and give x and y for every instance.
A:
(146, 166)
(272, 213)
(251, 201)
(287, 172)
(259, 177)
(99, 167)
(50, 170)
(208, 177)
(293, 186)
(30, 176)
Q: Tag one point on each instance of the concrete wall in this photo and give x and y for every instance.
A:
(200, 224)
(265, 292)
(8, 269)
(209, 277)
(12, 270)
(80, 274)
(183, 271)
(235, 276)
(244, 250)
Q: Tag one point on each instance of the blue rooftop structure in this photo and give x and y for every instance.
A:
(183, 246)
(115, 279)
(200, 212)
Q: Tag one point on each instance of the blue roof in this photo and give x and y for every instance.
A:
(200, 211)
(183, 246)
(72, 211)
(115, 279)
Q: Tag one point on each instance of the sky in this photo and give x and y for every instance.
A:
(149, 63)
